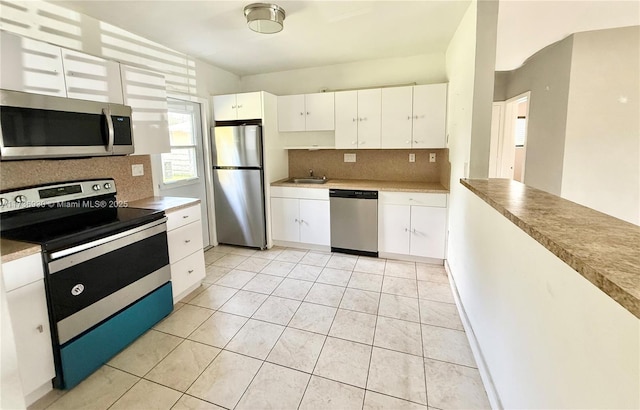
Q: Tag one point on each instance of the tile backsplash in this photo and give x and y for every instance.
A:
(17, 174)
(378, 165)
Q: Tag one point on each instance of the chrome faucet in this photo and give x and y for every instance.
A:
(311, 173)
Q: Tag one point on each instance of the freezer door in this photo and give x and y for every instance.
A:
(237, 146)
(239, 202)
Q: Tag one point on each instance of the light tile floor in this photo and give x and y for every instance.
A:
(296, 329)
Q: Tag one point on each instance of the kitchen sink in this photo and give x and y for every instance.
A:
(309, 180)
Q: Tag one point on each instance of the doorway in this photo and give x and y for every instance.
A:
(509, 127)
(182, 172)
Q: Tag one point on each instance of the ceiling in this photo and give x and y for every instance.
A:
(316, 33)
(319, 33)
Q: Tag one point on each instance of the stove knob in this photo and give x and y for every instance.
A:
(20, 199)
(96, 187)
(4, 202)
(107, 186)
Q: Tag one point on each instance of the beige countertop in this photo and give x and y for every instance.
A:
(164, 203)
(600, 247)
(392, 186)
(12, 250)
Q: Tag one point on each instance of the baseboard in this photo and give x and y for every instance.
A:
(299, 245)
(485, 375)
(38, 393)
(410, 258)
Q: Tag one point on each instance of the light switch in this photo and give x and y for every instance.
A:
(137, 170)
(432, 157)
(412, 157)
(349, 157)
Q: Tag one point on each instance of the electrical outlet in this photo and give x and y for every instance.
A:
(432, 157)
(412, 157)
(349, 157)
(137, 170)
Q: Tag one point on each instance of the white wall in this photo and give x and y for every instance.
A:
(551, 339)
(421, 69)
(601, 167)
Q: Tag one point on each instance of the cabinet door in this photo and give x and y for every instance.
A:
(145, 91)
(346, 113)
(92, 78)
(30, 322)
(30, 66)
(249, 106)
(224, 107)
(291, 113)
(429, 116)
(285, 219)
(315, 225)
(428, 230)
(319, 112)
(369, 107)
(186, 273)
(184, 241)
(393, 228)
(396, 117)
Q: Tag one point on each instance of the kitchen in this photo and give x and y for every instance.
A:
(125, 165)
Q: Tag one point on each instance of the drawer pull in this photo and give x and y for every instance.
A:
(185, 216)
(187, 240)
(40, 329)
(190, 271)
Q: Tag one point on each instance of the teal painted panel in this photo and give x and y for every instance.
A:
(86, 354)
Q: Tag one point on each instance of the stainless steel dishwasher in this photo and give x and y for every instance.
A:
(354, 221)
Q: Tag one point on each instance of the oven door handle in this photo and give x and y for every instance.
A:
(69, 257)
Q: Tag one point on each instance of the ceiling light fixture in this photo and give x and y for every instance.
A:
(264, 17)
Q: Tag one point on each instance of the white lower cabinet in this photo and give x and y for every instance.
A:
(412, 224)
(184, 234)
(27, 303)
(300, 215)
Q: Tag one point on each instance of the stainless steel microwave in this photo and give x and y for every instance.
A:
(43, 126)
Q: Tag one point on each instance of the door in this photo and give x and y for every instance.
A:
(315, 222)
(224, 107)
(396, 117)
(393, 228)
(369, 108)
(249, 106)
(238, 146)
(428, 227)
(181, 172)
(346, 107)
(91, 78)
(291, 113)
(239, 204)
(429, 116)
(285, 219)
(319, 112)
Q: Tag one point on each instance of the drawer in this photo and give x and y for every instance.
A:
(300, 193)
(21, 272)
(183, 216)
(413, 198)
(187, 272)
(184, 241)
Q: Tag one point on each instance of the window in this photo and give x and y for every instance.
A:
(180, 164)
(521, 131)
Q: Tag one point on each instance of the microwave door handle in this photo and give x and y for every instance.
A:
(107, 113)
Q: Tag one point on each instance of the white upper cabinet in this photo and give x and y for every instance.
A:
(145, 91)
(358, 119)
(91, 78)
(230, 107)
(306, 112)
(429, 116)
(30, 66)
(369, 111)
(397, 115)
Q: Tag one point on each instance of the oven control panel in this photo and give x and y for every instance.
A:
(47, 195)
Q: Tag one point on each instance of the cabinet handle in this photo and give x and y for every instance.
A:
(233, 106)
(185, 216)
(240, 106)
(40, 329)
(187, 240)
(406, 229)
(307, 112)
(416, 142)
(414, 231)
(296, 220)
(302, 221)
(190, 271)
(416, 117)
(354, 120)
(301, 113)
(409, 117)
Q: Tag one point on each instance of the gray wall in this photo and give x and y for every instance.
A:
(546, 74)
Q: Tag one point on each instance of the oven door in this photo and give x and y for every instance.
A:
(40, 126)
(91, 282)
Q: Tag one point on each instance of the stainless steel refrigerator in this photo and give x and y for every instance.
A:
(238, 185)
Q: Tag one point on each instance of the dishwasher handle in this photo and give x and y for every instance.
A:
(350, 193)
